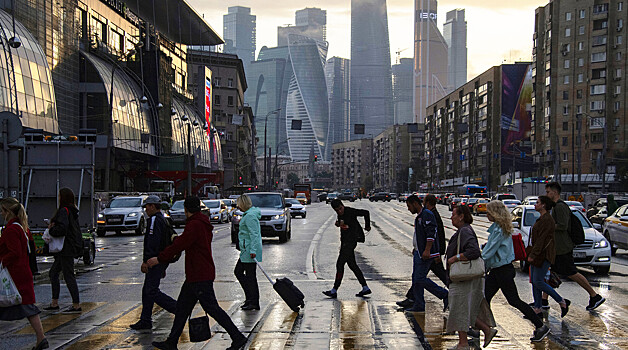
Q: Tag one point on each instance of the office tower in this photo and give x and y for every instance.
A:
(430, 59)
(371, 78)
(579, 118)
(337, 74)
(455, 33)
(239, 33)
(403, 88)
(309, 22)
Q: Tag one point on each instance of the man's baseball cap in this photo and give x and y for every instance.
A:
(152, 199)
(192, 204)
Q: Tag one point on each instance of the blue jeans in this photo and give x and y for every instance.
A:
(420, 282)
(151, 294)
(537, 276)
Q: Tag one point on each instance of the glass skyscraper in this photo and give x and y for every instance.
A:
(337, 75)
(239, 31)
(403, 90)
(455, 33)
(310, 22)
(371, 78)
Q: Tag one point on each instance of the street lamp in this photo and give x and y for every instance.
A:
(266, 160)
(189, 153)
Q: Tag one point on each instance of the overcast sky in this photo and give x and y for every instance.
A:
(497, 30)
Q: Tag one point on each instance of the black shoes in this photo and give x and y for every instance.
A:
(52, 308)
(406, 303)
(42, 345)
(363, 292)
(565, 310)
(247, 307)
(238, 344)
(141, 325)
(475, 334)
(544, 304)
(595, 301)
(331, 294)
(540, 333)
(73, 310)
(164, 345)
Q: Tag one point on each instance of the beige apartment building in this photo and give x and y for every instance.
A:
(351, 164)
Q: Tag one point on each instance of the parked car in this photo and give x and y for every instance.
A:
(218, 211)
(297, 208)
(511, 203)
(480, 206)
(331, 197)
(447, 198)
(380, 196)
(502, 196)
(177, 214)
(616, 229)
(275, 220)
(595, 252)
(123, 213)
(454, 202)
(530, 200)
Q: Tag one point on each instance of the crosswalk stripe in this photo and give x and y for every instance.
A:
(514, 332)
(355, 325)
(121, 323)
(276, 328)
(96, 341)
(59, 319)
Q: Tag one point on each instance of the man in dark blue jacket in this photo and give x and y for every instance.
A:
(425, 250)
(155, 240)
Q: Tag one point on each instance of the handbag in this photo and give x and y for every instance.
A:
(466, 270)
(519, 247)
(55, 244)
(9, 295)
(199, 329)
(552, 279)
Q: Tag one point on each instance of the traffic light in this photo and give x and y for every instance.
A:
(316, 158)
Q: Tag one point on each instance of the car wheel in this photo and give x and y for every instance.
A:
(601, 270)
(234, 237)
(140, 229)
(283, 236)
(90, 254)
(613, 248)
(304, 215)
(101, 232)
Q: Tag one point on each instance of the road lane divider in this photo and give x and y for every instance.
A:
(310, 264)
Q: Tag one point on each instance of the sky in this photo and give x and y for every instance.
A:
(498, 31)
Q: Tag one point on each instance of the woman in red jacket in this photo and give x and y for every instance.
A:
(14, 256)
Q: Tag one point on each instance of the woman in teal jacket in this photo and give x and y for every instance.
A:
(250, 243)
(498, 254)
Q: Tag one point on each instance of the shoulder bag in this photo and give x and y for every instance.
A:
(461, 271)
(199, 329)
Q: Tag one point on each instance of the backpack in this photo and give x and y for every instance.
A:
(520, 249)
(575, 229)
(171, 234)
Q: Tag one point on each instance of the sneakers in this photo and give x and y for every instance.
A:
(42, 345)
(565, 310)
(238, 344)
(544, 304)
(164, 345)
(363, 292)
(406, 303)
(141, 325)
(489, 337)
(73, 310)
(540, 333)
(52, 308)
(595, 301)
(331, 294)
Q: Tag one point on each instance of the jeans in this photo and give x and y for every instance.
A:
(420, 282)
(63, 264)
(245, 273)
(438, 269)
(203, 292)
(537, 276)
(347, 255)
(503, 278)
(152, 295)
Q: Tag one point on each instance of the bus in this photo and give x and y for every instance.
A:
(304, 188)
(471, 190)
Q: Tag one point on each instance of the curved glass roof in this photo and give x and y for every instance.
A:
(33, 80)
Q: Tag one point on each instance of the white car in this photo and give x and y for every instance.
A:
(511, 203)
(218, 211)
(530, 200)
(297, 209)
(595, 252)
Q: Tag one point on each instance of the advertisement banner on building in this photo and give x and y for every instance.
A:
(516, 116)
(208, 99)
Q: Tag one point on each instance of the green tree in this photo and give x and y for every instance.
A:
(292, 179)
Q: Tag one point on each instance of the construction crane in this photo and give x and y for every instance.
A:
(398, 52)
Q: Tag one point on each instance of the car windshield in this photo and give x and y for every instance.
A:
(473, 200)
(585, 223)
(125, 203)
(574, 204)
(212, 204)
(292, 201)
(301, 195)
(530, 217)
(506, 196)
(332, 195)
(511, 201)
(483, 201)
(266, 200)
(178, 205)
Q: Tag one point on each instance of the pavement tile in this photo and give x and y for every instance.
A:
(58, 319)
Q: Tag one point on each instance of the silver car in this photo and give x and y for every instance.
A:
(275, 220)
(177, 214)
(123, 213)
(297, 209)
(218, 211)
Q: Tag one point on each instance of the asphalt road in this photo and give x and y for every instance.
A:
(111, 296)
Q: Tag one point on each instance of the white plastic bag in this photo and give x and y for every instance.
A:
(9, 295)
(55, 244)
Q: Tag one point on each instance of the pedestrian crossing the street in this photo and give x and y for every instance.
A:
(322, 324)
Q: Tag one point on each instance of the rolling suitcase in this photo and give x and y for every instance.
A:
(286, 290)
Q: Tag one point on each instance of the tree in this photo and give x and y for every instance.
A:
(293, 179)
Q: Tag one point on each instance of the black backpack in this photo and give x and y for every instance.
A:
(575, 229)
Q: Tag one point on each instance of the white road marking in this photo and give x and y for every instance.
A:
(309, 259)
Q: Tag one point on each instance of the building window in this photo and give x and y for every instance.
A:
(598, 57)
(229, 155)
(216, 99)
(618, 56)
(581, 30)
(618, 73)
(598, 89)
(618, 40)
(601, 8)
(565, 95)
(583, 13)
(599, 40)
(578, 93)
(217, 81)
(598, 73)
(229, 136)
(580, 77)
(578, 109)
(565, 157)
(567, 32)
(620, 6)
(580, 46)
(566, 64)
(620, 24)
(580, 62)
(597, 105)
(566, 79)
(600, 24)
(230, 82)
(547, 81)
(565, 126)
(230, 100)
(568, 16)
(566, 110)
(617, 105)
(564, 141)
(617, 90)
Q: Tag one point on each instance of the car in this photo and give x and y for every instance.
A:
(302, 198)
(599, 217)
(322, 196)
(123, 213)
(234, 196)
(331, 196)
(454, 202)
(230, 203)
(297, 208)
(577, 205)
(530, 200)
(177, 214)
(616, 229)
(393, 195)
(511, 203)
(447, 198)
(471, 202)
(347, 196)
(502, 196)
(275, 220)
(595, 252)
(481, 195)
(380, 196)
(601, 203)
(480, 206)
(218, 211)
(403, 197)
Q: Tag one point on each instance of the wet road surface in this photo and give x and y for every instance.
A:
(111, 296)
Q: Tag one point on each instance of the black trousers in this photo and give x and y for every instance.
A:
(438, 269)
(32, 258)
(245, 273)
(347, 256)
(503, 278)
(203, 292)
(63, 264)
(151, 294)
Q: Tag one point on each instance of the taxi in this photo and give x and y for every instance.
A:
(480, 206)
(616, 229)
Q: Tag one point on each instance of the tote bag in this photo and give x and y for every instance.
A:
(466, 270)
(9, 295)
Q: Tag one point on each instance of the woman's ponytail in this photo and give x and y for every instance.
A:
(16, 209)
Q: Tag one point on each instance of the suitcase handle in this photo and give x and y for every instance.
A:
(265, 274)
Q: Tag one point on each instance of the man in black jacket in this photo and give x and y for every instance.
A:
(350, 234)
(155, 240)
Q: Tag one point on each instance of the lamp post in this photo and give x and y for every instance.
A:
(189, 152)
(266, 160)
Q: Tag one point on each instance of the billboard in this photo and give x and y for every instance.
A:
(208, 100)
(516, 117)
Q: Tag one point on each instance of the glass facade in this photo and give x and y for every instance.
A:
(337, 75)
(33, 80)
(198, 136)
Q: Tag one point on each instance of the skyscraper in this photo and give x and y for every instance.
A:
(430, 58)
(337, 74)
(309, 22)
(371, 78)
(239, 31)
(403, 88)
(455, 33)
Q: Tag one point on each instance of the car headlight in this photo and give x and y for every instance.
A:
(100, 216)
(132, 215)
(277, 217)
(237, 217)
(601, 244)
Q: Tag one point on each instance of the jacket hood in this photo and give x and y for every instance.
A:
(200, 217)
(610, 197)
(254, 211)
(74, 211)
